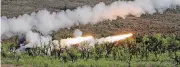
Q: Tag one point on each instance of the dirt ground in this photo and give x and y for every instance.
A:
(167, 23)
(12, 8)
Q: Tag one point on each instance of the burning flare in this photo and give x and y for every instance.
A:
(88, 40)
(112, 39)
(78, 40)
(91, 41)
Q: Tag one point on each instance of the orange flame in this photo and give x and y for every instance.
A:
(112, 39)
(78, 40)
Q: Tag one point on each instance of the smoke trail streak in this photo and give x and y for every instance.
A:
(78, 40)
(91, 41)
(112, 39)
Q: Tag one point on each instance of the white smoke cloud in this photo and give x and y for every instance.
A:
(77, 33)
(36, 40)
(4, 27)
(21, 24)
(89, 41)
(45, 22)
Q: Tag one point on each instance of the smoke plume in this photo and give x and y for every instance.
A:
(77, 33)
(36, 40)
(45, 22)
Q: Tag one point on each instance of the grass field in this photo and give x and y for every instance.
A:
(48, 61)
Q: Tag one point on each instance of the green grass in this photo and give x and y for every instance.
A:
(49, 61)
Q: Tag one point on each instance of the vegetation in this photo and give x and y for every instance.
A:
(147, 51)
(152, 51)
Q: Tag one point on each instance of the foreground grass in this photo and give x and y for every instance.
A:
(50, 61)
